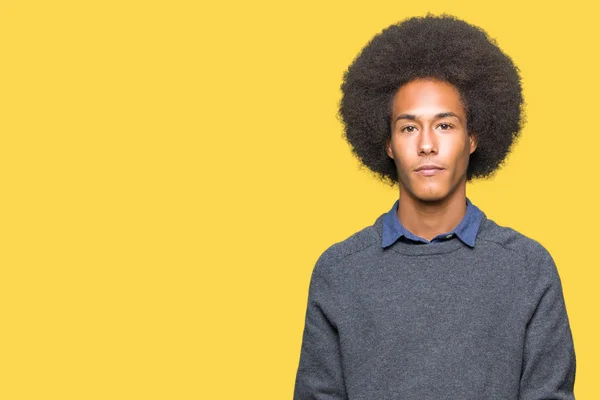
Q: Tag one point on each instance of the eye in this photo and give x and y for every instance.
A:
(409, 129)
(444, 126)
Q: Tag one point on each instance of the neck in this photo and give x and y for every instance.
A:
(429, 219)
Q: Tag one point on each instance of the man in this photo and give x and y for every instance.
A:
(434, 300)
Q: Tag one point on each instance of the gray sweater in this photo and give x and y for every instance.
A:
(436, 321)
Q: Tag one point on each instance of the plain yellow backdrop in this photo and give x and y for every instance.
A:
(170, 172)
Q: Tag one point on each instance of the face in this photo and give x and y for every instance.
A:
(429, 142)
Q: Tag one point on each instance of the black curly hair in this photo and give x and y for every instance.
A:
(438, 47)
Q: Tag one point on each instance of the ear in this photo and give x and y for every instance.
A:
(472, 142)
(388, 148)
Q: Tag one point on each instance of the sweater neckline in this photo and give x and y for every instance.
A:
(424, 249)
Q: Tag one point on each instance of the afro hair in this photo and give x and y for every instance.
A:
(438, 47)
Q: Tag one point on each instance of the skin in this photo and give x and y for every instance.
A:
(428, 125)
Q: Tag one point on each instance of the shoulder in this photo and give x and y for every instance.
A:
(356, 243)
(530, 251)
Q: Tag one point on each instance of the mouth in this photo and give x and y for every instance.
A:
(429, 170)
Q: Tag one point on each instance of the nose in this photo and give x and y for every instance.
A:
(427, 141)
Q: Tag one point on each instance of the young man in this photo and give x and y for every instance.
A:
(434, 300)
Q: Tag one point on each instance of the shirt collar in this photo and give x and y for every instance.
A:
(466, 230)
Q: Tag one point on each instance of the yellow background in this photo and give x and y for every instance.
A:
(170, 172)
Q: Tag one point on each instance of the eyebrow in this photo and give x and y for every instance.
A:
(413, 117)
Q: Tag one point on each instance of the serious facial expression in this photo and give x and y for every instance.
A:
(429, 142)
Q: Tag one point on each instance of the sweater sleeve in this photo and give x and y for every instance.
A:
(320, 375)
(548, 370)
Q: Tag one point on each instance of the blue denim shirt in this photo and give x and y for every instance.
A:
(466, 230)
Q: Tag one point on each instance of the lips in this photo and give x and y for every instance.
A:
(428, 167)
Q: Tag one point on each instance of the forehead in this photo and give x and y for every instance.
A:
(427, 96)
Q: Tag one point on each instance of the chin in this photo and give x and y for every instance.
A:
(431, 197)
(429, 194)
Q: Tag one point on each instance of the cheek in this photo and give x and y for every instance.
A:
(402, 156)
(457, 151)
